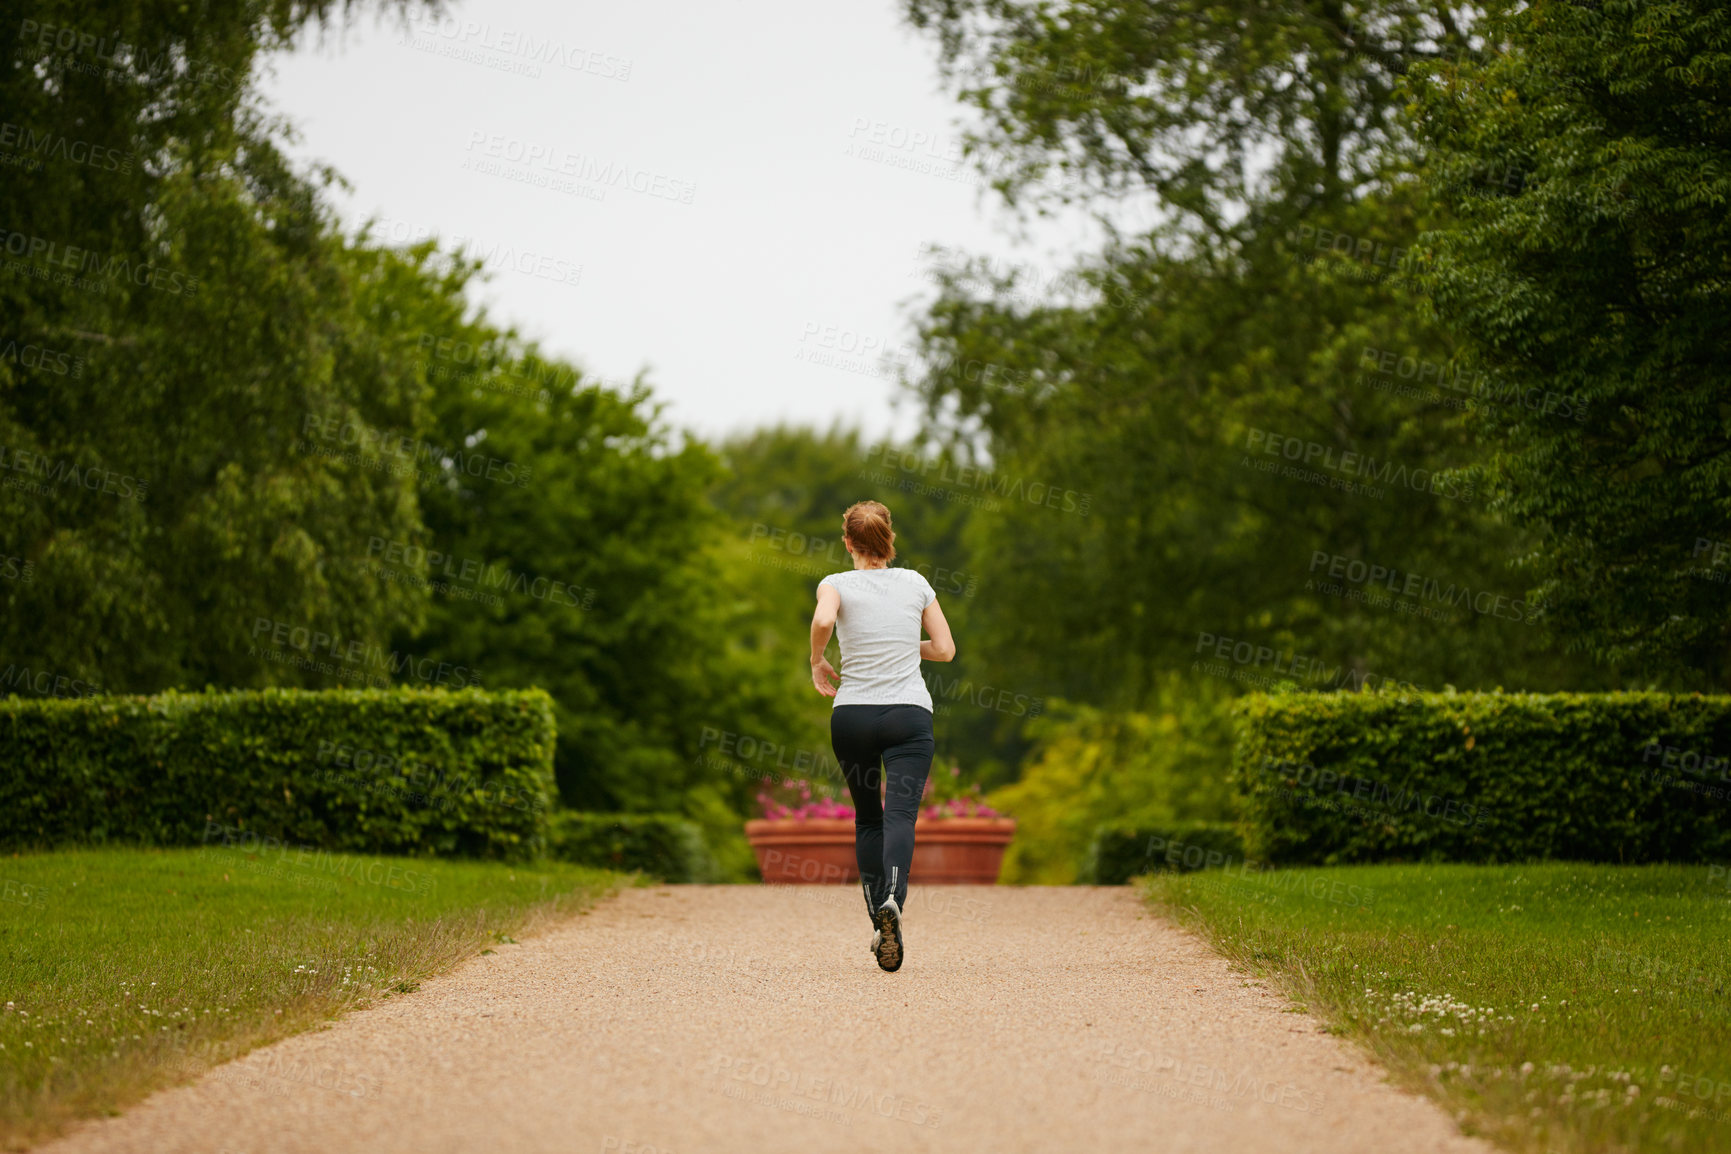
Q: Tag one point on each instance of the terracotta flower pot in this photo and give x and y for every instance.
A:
(819, 851)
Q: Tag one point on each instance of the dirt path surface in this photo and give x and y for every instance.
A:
(703, 1020)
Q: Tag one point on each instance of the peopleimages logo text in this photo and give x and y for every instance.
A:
(581, 166)
(355, 652)
(127, 61)
(42, 359)
(54, 254)
(435, 564)
(46, 682)
(1477, 384)
(1291, 664)
(57, 472)
(508, 41)
(939, 472)
(1408, 584)
(1401, 798)
(1353, 464)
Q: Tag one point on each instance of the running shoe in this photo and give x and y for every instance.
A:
(888, 944)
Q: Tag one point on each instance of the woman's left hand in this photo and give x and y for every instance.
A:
(824, 677)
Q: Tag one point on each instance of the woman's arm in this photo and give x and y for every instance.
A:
(823, 675)
(941, 647)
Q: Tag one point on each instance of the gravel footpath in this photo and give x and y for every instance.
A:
(707, 1019)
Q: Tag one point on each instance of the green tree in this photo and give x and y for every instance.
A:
(1588, 168)
(176, 306)
(1236, 117)
(1259, 314)
(576, 550)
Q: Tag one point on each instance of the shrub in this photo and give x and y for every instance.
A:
(1091, 767)
(661, 845)
(1485, 777)
(419, 772)
(1120, 852)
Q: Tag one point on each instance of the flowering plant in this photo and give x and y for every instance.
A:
(805, 806)
(944, 797)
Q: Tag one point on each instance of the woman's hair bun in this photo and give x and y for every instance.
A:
(867, 525)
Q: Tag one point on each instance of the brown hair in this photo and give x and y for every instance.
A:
(867, 525)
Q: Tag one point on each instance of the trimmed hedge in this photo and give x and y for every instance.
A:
(401, 771)
(1119, 853)
(1485, 777)
(660, 845)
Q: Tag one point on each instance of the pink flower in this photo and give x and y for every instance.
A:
(806, 807)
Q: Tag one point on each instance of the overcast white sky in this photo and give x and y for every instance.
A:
(784, 163)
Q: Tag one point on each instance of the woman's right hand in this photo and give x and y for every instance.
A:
(824, 677)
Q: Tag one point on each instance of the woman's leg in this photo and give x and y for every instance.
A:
(853, 733)
(907, 762)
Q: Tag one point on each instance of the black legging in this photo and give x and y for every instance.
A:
(901, 737)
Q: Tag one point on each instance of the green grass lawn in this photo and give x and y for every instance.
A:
(126, 970)
(1549, 1007)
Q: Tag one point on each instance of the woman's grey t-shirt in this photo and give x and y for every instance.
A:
(878, 628)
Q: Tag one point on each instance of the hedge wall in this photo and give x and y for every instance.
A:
(420, 772)
(1119, 853)
(1485, 777)
(660, 845)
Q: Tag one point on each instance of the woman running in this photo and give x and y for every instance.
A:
(883, 711)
